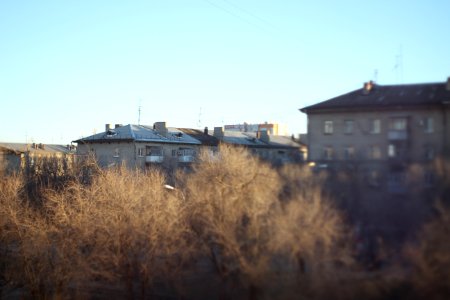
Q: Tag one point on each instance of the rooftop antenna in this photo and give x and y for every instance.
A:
(199, 123)
(375, 75)
(139, 112)
(398, 67)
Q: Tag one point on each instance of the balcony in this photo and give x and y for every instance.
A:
(185, 158)
(154, 159)
(397, 135)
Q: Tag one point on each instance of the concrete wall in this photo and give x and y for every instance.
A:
(105, 153)
(366, 187)
(9, 162)
(362, 139)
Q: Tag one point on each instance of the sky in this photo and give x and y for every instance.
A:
(67, 68)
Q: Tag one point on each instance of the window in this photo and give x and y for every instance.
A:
(154, 151)
(397, 183)
(375, 152)
(429, 152)
(396, 151)
(428, 178)
(373, 178)
(391, 150)
(375, 126)
(398, 124)
(349, 152)
(348, 126)
(428, 125)
(141, 152)
(328, 127)
(186, 152)
(328, 153)
(116, 152)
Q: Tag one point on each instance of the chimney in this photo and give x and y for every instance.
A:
(368, 86)
(160, 128)
(448, 84)
(107, 127)
(218, 132)
(118, 125)
(205, 131)
(264, 136)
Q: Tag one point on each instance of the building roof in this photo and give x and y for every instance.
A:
(144, 133)
(140, 133)
(250, 139)
(387, 96)
(205, 139)
(44, 149)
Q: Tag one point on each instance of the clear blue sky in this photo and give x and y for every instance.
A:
(69, 67)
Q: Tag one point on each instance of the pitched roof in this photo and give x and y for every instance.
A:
(386, 96)
(250, 139)
(205, 139)
(44, 149)
(140, 133)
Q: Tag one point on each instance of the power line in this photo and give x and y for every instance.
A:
(235, 15)
(251, 14)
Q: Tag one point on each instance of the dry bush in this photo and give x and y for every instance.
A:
(431, 258)
(229, 199)
(265, 234)
(123, 230)
(312, 238)
(255, 240)
(126, 227)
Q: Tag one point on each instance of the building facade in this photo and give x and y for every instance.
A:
(19, 157)
(140, 146)
(389, 139)
(276, 149)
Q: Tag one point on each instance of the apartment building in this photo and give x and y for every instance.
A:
(276, 149)
(389, 139)
(17, 157)
(140, 146)
(271, 128)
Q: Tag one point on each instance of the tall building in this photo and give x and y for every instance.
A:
(389, 138)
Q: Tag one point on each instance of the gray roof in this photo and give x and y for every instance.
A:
(387, 96)
(44, 149)
(140, 133)
(249, 139)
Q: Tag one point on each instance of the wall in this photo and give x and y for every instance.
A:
(128, 153)
(378, 203)
(362, 139)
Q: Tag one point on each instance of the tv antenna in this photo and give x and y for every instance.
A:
(139, 112)
(199, 123)
(375, 75)
(398, 67)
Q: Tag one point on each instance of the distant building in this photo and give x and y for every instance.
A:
(389, 138)
(276, 149)
(272, 128)
(15, 157)
(142, 146)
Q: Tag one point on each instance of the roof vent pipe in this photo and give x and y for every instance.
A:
(264, 136)
(368, 86)
(218, 132)
(160, 128)
(448, 84)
